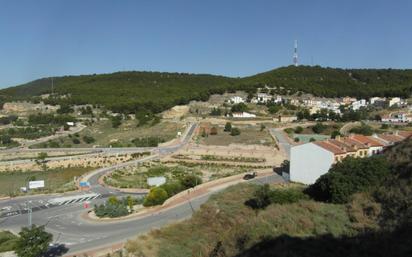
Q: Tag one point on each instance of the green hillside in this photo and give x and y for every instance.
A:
(156, 91)
(331, 82)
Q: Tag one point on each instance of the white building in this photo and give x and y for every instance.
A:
(358, 104)
(236, 100)
(395, 101)
(264, 98)
(243, 115)
(308, 162)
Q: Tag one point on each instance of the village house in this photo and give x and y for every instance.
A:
(236, 100)
(243, 115)
(311, 160)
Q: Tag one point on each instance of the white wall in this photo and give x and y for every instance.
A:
(308, 162)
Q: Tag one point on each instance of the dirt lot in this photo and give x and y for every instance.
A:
(250, 135)
(105, 135)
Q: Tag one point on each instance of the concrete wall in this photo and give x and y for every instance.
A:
(308, 162)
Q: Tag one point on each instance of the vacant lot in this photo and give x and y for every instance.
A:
(249, 135)
(104, 134)
(56, 180)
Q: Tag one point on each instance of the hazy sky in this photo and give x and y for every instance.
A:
(229, 37)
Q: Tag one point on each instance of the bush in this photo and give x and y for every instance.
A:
(213, 131)
(350, 176)
(319, 128)
(264, 196)
(298, 130)
(88, 139)
(156, 196)
(235, 132)
(228, 127)
(189, 181)
(114, 207)
(76, 141)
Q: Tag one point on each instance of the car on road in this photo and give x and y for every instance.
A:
(249, 176)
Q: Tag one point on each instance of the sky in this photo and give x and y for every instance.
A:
(235, 38)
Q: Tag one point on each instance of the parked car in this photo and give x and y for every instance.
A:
(249, 176)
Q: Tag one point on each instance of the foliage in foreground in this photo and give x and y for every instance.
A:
(33, 242)
(350, 176)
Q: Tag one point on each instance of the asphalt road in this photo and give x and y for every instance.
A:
(283, 142)
(77, 234)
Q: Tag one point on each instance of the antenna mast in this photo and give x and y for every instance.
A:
(52, 89)
(295, 54)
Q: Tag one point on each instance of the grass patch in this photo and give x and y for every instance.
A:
(226, 221)
(8, 241)
(56, 180)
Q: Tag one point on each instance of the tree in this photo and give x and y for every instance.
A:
(228, 127)
(33, 242)
(235, 132)
(156, 196)
(319, 128)
(348, 177)
(240, 107)
(262, 127)
(116, 121)
(335, 133)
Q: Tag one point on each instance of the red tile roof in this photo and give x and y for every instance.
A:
(342, 145)
(354, 143)
(371, 141)
(391, 138)
(330, 147)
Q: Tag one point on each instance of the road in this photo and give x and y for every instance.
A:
(64, 219)
(78, 234)
(283, 142)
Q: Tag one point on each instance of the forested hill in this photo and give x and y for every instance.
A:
(156, 91)
(127, 91)
(330, 82)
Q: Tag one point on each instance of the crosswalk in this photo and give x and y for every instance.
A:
(73, 199)
(21, 208)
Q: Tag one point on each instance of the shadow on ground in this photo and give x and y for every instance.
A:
(379, 244)
(56, 251)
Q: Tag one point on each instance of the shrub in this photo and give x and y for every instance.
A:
(76, 141)
(283, 196)
(156, 196)
(213, 131)
(363, 129)
(348, 177)
(235, 132)
(228, 127)
(298, 130)
(88, 139)
(318, 128)
(189, 181)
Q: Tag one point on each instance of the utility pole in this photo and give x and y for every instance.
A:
(29, 213)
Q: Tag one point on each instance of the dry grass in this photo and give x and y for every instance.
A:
(225, 218)
(250, 135)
